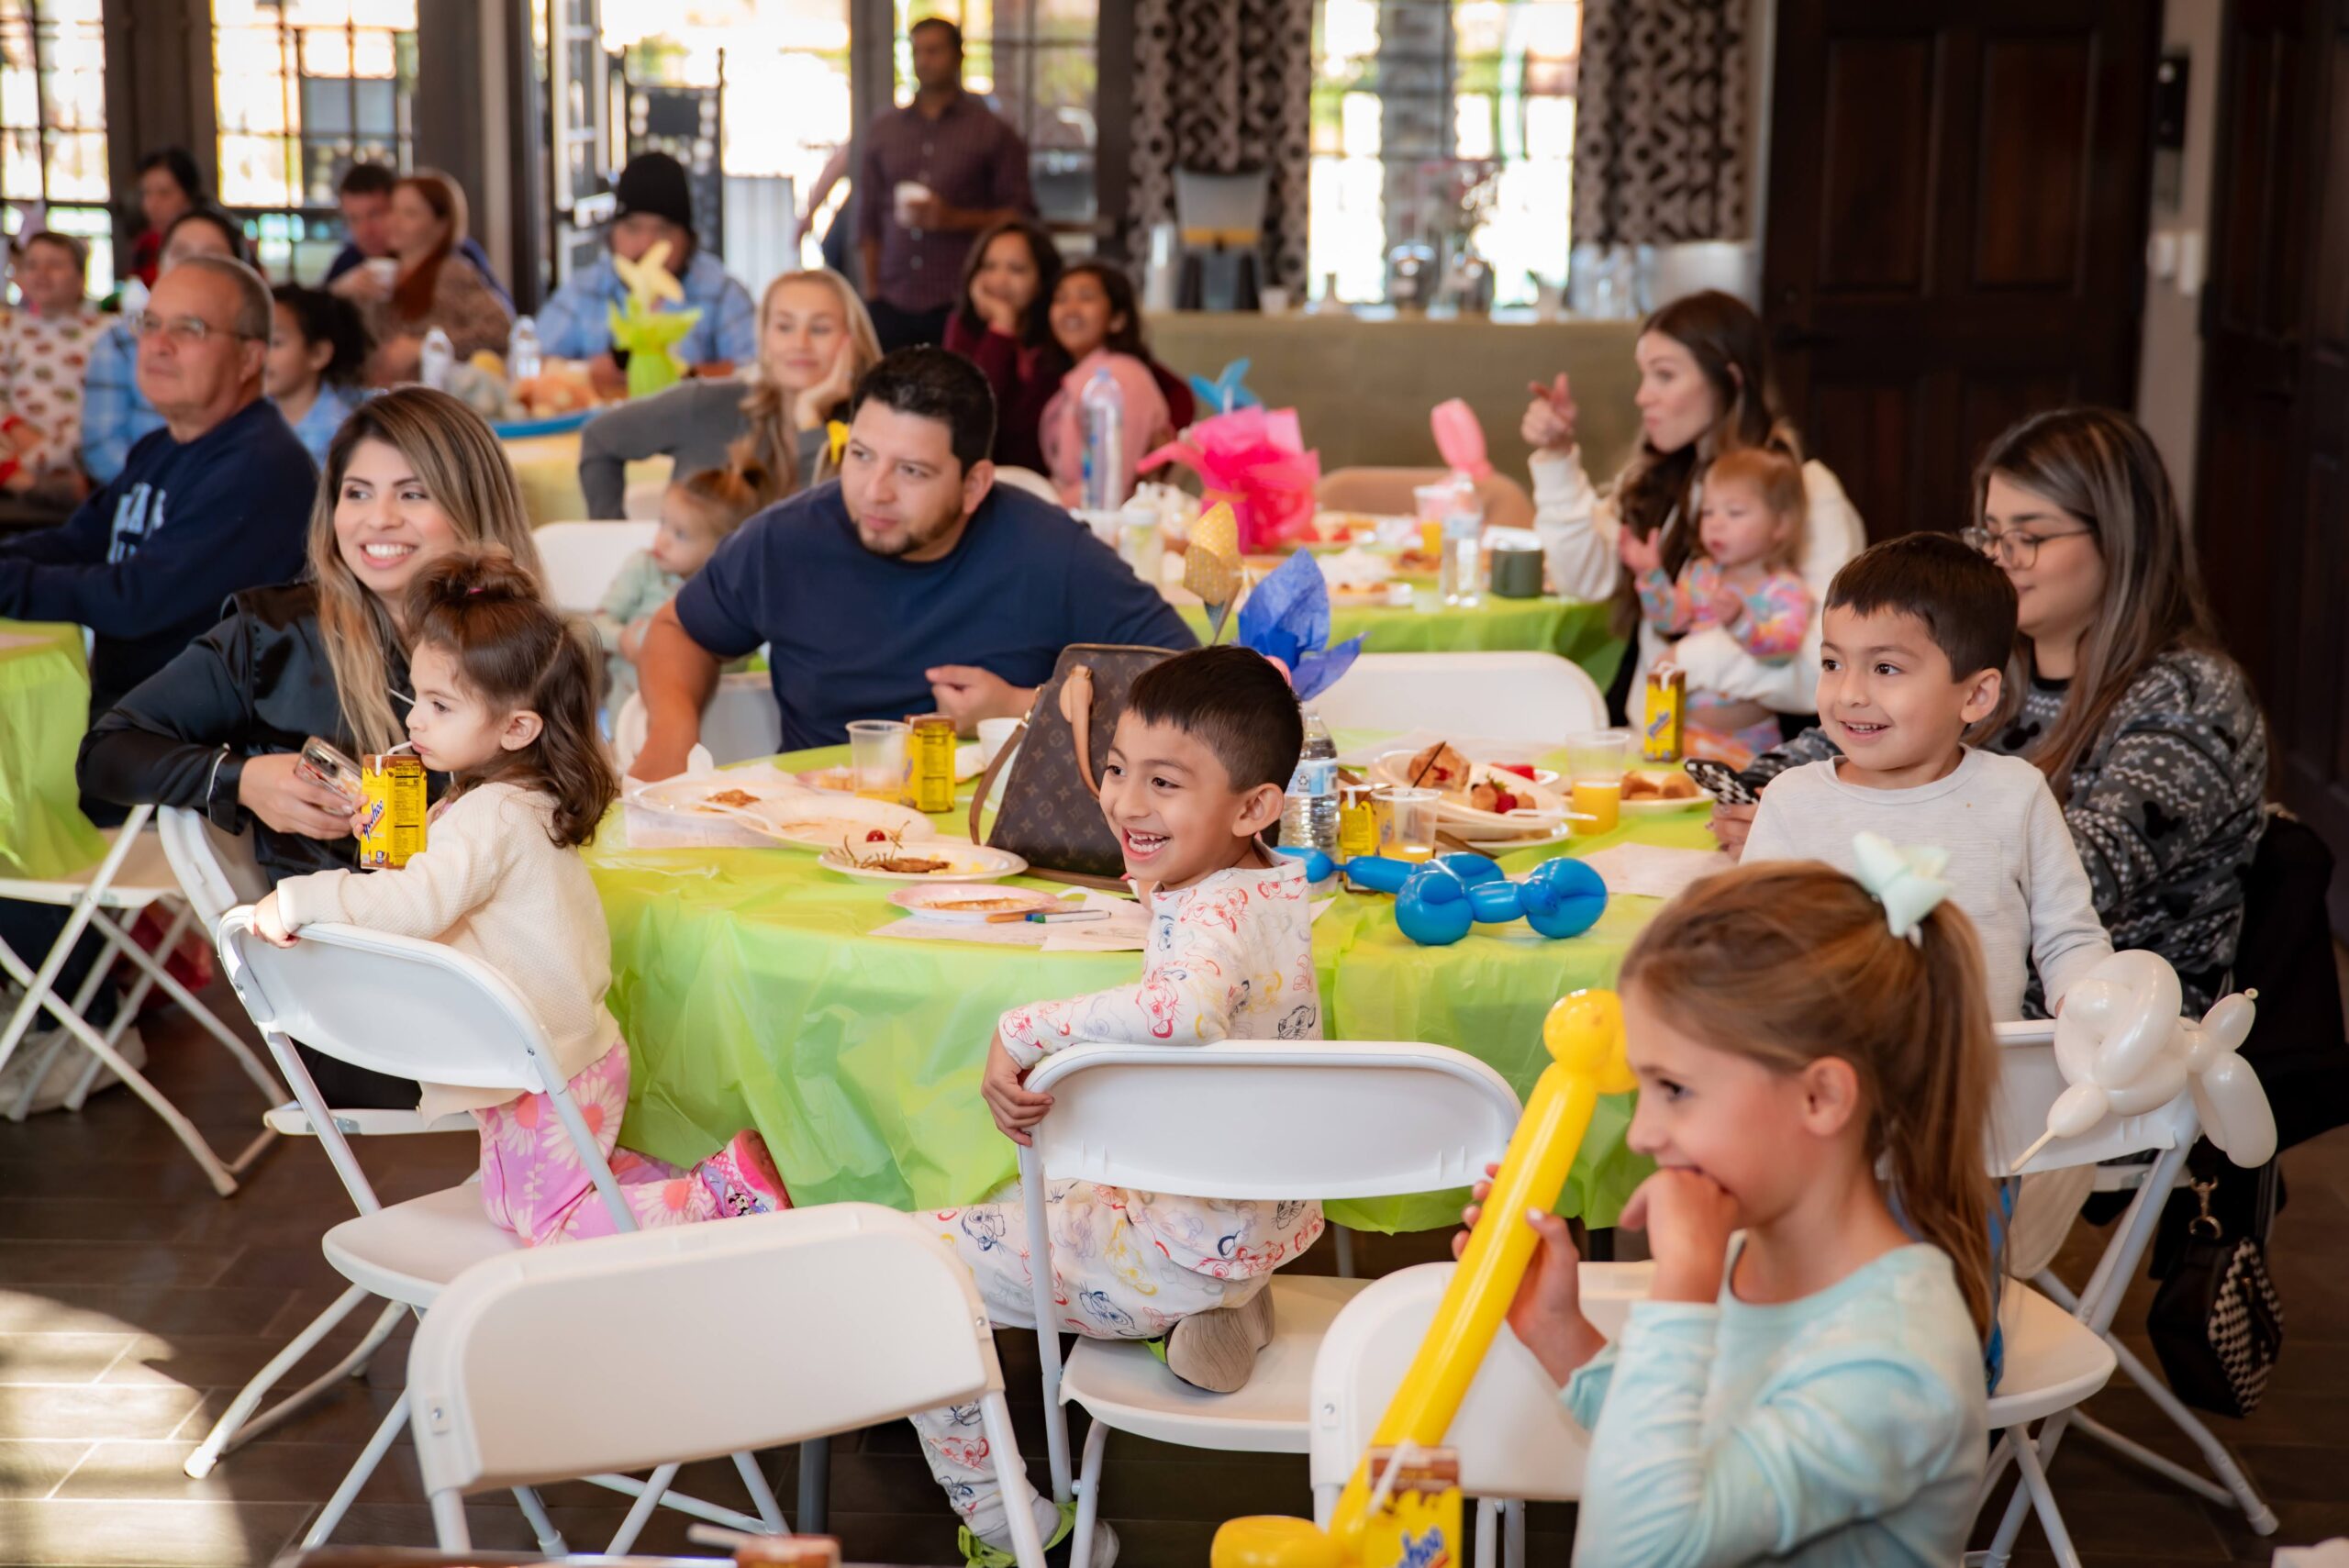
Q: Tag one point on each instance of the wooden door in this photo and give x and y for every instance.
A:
(2272, 514)
(1957, 209)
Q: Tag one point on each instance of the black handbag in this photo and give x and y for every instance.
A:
(2216, 1321)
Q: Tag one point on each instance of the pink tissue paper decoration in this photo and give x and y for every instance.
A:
(1254, 459)
(1459, 438)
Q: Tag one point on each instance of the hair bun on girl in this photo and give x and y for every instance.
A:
(484, 571)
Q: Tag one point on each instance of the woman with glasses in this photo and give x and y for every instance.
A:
(2119, 689)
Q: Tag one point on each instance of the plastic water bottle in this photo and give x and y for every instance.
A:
(1309, 814)
(522, 356)
(1101, 414)
(435, 360)
(1460, 572)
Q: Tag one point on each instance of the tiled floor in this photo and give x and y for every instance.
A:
(133, 1302)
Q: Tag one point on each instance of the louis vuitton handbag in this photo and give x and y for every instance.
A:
(1050, 815)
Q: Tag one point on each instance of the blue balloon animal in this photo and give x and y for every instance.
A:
(1437, 902)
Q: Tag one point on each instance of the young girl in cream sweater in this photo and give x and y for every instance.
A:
(505, 705)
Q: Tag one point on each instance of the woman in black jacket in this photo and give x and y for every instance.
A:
(411, 475)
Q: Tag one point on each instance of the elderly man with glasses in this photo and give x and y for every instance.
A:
(215, 501)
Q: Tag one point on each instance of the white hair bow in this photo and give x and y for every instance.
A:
(1907, 882)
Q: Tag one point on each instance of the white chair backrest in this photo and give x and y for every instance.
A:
(556, 1362)
(581, 558)
(2029, 1084)
(217, 870)
(1031, 480)
(413, 1009)
(1514, 1438)
(1272, 1118)
(742, 723)
(1496, 696)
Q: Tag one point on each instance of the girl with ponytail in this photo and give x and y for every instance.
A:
(506, 706)
(1805, 1381)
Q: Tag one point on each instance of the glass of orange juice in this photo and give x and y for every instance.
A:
(1409, 828)
(1595, 764)
(876, 749)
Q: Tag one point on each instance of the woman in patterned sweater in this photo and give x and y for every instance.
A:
(2148, 732)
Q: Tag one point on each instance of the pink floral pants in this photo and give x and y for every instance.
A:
(533, 1184)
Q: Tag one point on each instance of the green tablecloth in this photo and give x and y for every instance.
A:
(1575, 631)
(44, 708)
(752, 991)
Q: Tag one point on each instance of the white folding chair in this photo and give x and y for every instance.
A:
(2060, 1354)
(417, 1009)
(580, 560)
(525, 1370)
(216, 871)
(107, 898)
(740, 723)
(1536, 698)
(1515, 1441)
(1222, 1121)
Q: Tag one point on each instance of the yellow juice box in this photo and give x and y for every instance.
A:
(1420, 1526)
(390, 822)
(1667, 707)
(932, 742)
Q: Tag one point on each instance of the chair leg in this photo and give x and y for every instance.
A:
(2042, 1503)
(1088, 1495)
(2238, 1490)
(1513, 1533)
(223, 1181)
(239, 1423)
(1344, 1242)
(449, 1521)
(655, 1489)
(754, 1480)
(550, 1541)
(815, 1485)
(682, 1503)
(153, 969)
(369, 1458)
(1026, 1546)
(1488, 1532)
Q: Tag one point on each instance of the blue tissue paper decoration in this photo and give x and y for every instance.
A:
(1287, 616)
(1225, 392)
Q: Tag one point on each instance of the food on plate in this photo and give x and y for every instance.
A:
(733, 798)
(891, 857)
(977, 905)
(1638, 785)
(1493, 797)
(559, 389)
(1439, 767)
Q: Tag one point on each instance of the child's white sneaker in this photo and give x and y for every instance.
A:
(1058, 1549)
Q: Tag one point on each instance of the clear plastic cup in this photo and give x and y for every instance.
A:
(1595, 764)
(876, 749)
(1408, 828)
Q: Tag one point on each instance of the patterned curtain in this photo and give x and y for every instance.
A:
(1221, 85)
(1660, 126)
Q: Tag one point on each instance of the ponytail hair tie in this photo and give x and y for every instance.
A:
(471, 591)
(1907, 882)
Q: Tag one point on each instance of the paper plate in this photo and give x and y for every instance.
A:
(964, 863)
(735, 794)
(967, 904)
(816, 820)
(1664, 808)
(1541, 794)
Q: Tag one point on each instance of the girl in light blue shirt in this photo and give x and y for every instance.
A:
(1804, 1383)
(317, 351)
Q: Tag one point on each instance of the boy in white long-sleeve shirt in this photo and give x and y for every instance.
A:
(1917, 634)
(1195, 774)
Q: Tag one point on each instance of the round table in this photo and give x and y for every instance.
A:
(548, 468)
(44, 709)
(1572, 630)
(753, 991)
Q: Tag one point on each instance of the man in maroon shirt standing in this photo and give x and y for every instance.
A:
(968, 169)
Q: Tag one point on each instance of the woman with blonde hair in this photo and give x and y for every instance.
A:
(411, 476)
(815, 340)
(432, 285)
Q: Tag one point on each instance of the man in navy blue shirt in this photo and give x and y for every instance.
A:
(913, 585)
(215, 501)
